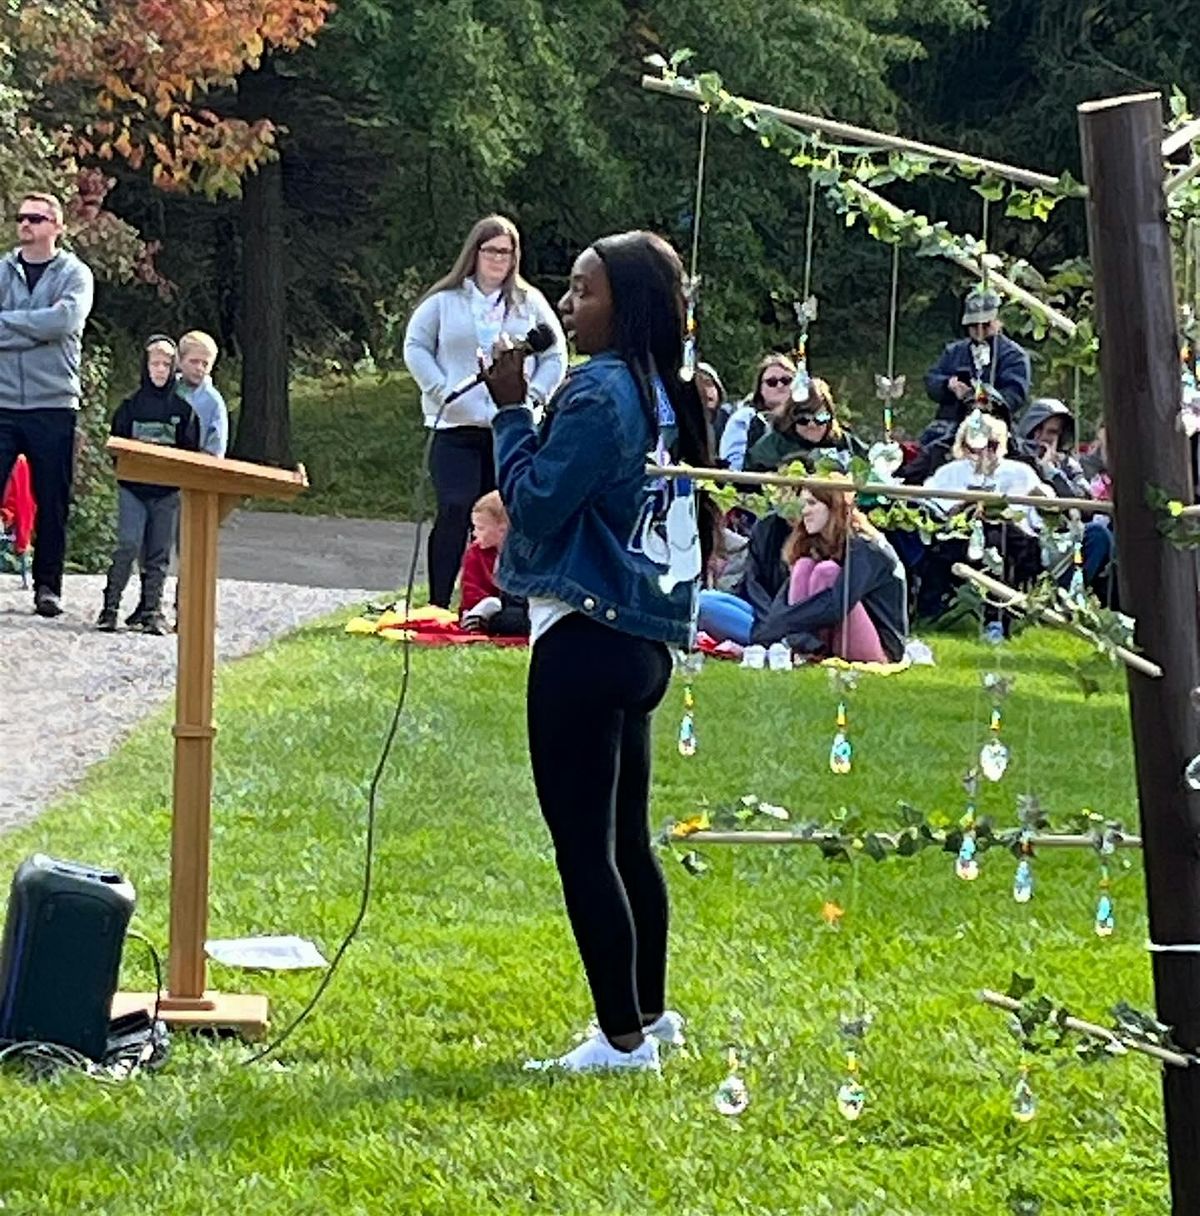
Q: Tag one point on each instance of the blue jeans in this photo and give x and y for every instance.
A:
(725, 617)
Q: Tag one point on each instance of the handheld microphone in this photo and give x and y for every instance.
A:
(538, 339)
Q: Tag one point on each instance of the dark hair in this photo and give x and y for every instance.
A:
(645, 275)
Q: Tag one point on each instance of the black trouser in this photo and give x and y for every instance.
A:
(46, 438)
(463, 469)
(591, 693)
(146, 527)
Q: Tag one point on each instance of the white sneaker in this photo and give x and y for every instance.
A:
(668, 1029)
(597, 1054)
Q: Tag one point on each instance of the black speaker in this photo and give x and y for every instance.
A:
(61, 953)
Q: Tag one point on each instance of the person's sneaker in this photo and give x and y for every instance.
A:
(138, 617)
(156, 624)
(106, 622)
(46, 603)
(668, 1029)
(597, 1054)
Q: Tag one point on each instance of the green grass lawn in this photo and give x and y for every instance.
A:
(404, 1094)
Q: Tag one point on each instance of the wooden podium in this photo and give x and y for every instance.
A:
(211, 488)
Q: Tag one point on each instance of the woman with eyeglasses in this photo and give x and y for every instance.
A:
(462, 314)
(803, 430)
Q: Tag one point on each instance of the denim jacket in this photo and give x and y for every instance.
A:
(577, 496)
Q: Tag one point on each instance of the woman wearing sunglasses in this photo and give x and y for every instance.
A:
(465, 312)
(803, 430)
(749, 421)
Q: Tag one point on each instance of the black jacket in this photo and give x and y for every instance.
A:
(766, 570)
(872, 576)
(156, 415)
(1008, 372)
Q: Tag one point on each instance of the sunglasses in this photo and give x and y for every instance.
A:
(492, 252)
(821, 418)
(777, 381)
(30, 217)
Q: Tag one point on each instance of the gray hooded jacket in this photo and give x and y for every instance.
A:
(41, 333)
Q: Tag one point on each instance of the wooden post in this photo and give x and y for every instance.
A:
(1139, 369)
(210, 490)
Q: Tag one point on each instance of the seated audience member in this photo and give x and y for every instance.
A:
(978, 464)
(843, 589)
(1002, 364)
(484, 608)
(747, 422)
(806, 431)
(717, 409)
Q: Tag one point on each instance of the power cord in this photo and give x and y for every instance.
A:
(369, 857)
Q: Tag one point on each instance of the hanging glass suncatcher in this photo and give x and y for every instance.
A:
(977, 541)
(806, 313)
(732, 1096)
(976, 435)
(994, 755)
(886, 457)
(1023, 879)
(966, 864)
(687, 367)
(689, 665)
(1189, 409)
(1077, 589)
(841, 751)
(1024, 1101)
(852, 1094)
(1105, 922)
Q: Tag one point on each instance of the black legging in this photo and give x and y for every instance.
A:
(592, 690)
(463, 469)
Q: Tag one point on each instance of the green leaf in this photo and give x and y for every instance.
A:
(1020, 986)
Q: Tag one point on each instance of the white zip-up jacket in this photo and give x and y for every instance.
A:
(441, 348)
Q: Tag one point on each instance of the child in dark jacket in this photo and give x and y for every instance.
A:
(147, 514)
(484, 607)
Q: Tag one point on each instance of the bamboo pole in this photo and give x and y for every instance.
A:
(974, 266)
(1126, 1043)
(829, 127)
(1012, 598)
(879, 489)
(1181, 178)
(709, 836)
(1181, 138)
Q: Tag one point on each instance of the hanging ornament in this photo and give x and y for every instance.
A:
(966, 864)
(1105, 922)
(1076, 590)
(1191, 774)
(976, 435)
(732, 1096)
(851, 1094)
(994, 755)
(977, 543)
(687, 367)
(840, 751)
(1189, 409)
(689, 665)
(887, 456)
(1023, 880)
(1024, 1102)
(806, 313)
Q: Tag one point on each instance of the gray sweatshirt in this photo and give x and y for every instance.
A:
(441, 348)
(41, 333)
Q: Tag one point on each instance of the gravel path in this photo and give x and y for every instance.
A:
(68, 694)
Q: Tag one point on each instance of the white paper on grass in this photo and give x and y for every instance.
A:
(288, 953)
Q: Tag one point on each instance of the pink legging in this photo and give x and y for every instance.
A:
(860, 644)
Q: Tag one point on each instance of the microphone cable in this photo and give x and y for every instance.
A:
(372, 796)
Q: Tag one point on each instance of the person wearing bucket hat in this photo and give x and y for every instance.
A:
(986, 354)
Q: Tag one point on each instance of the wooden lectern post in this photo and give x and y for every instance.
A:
(211, 488)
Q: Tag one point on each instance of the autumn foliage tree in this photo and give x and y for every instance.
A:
(155, 84)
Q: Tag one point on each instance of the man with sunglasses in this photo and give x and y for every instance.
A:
(45, 298)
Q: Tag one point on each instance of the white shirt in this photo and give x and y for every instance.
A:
(1010, 477)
